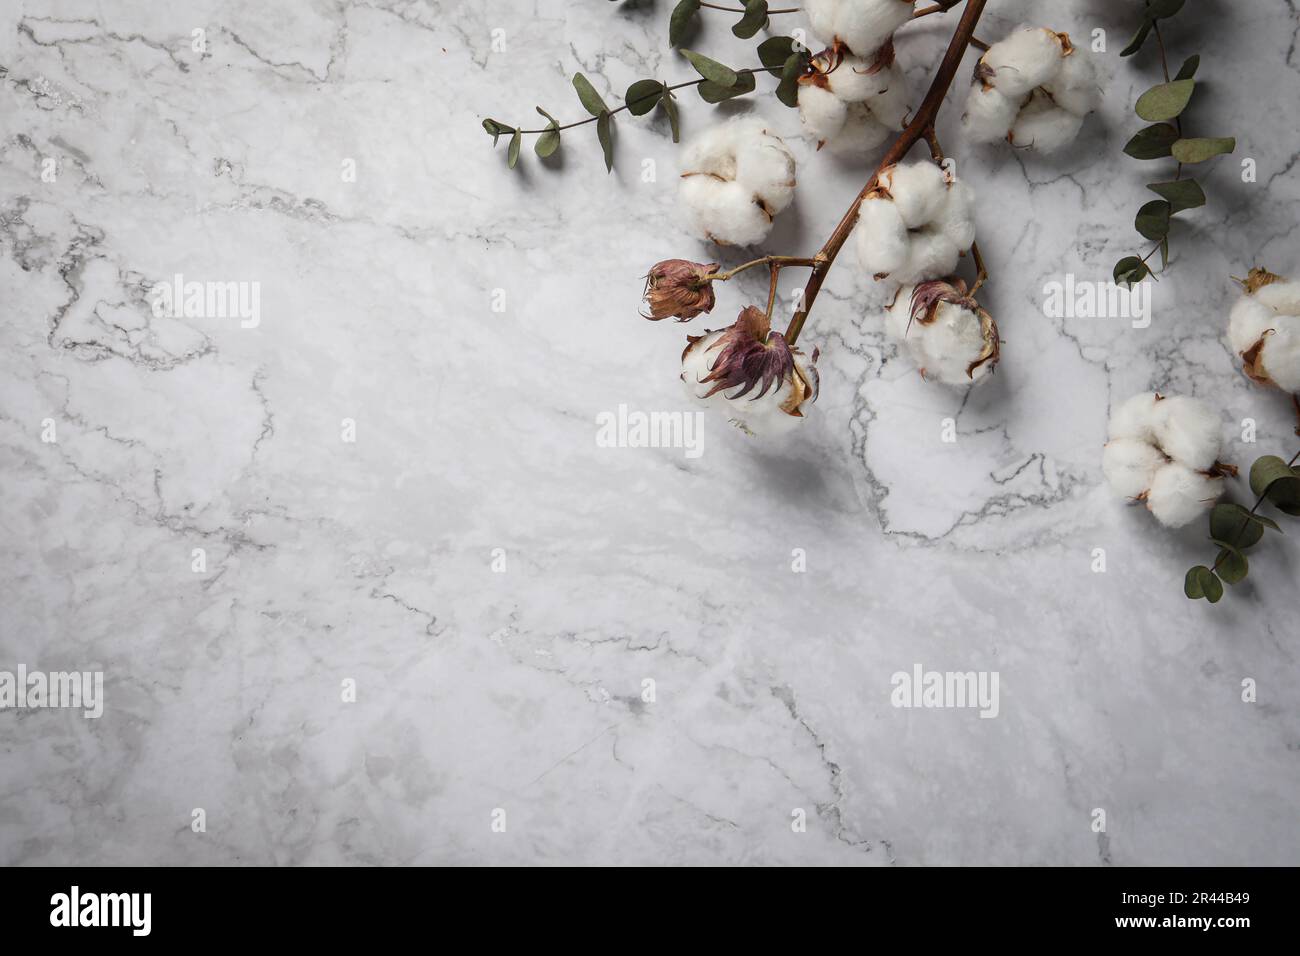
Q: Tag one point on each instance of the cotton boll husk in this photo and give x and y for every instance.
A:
(955, 217)
(1075, 86)
(1130, 466)
(950, 344)
(882, 240)
(1248, 321)
(1044, 126)
(759, 416)
(1188, 430)
(989, 114)
(861, 131)
(1179, 495)
(1283, 297)
(724, 211)
(931, 254)
(863, 25)
(765, 165)
(1281, 356)
(1135, 418)
(822, 112)
(918, 189)
(1025, 59)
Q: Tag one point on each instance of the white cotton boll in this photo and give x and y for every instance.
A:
(1025, 59)
(735, 177)
(1135, 418)
(765, 165)
(852, 80)
(860, 132)
(1188, 430)
(822, 112)
(1179, 495)
(956, 216)
(890, 101)
(1130, 466)
(989, 114)
(862, 25)
(1075, 86)
(950, 344)
(931, 255)
(1249, 319)
(919, 191)
(1282, 297)
(898, 317)
(697, 363)
(772, 413)
(724, 211)
(882, 240)
(1044, 126)
(1281, 357)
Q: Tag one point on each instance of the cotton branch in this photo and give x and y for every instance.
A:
(921, 125)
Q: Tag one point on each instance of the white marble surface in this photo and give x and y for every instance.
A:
(372, 560)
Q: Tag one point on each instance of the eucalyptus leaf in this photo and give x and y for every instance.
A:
(679, 21)
(1234, 524)
(674, 121)
(1200, 148)
(774, 51)
(1189, 67)
(711, 92)
(753, 20)
(1153, 219)
(1231, 564)
(787, 91)
(549, 141)
(495, 128)
(1180, 193)
(1212, 586)
(642, 96)
(606, 141)
(1192, 582)
(1274, 479)
(1130, 269)
(512, 154)
(1165, 101)
(587, 94)
(1152, 142)
(711, 70)
(1162, 9)
(1139, 38)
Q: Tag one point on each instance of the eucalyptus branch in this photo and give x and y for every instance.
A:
(921, 126)
(714, 6)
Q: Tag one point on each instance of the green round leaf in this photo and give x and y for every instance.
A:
(512, 154)
(753, 20)
(642, 96)
(1189, 67)
(588, 96)
(674, 122)
(787, 91)
(774, 51)
(1130, 269)
(1153, 219)
(1139, 38)
(1211, 585)
(1152, 142)
(1232, 523)
(1192, 586)
(1200, 148)
(711, 92)
(1165, 101)
(680, 19)
(712, 70)
(1162, 9)
(1232, 564)
(606, 140)
(1274, 479)
(549, 141)
(1181, 194)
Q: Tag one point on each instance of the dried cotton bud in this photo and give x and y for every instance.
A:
(679, 288)
(947, 334)
(735, 178)
(1264, 329)
(1164, 451)
(914, 224)
(852, 104)
(864, 26)
(761, 383)
(1033, 90)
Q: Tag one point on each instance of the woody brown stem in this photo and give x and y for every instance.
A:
(921, 123)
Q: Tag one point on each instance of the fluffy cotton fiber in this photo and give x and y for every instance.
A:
(1032, 89)
(1264, 329)
(915, 224)
(735, 178)
(850, 108)
(954, 343)
(864, 26)
(1164, 451)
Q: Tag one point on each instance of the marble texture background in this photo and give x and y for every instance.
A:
(372, 561)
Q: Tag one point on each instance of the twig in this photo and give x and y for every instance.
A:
(916, 129)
